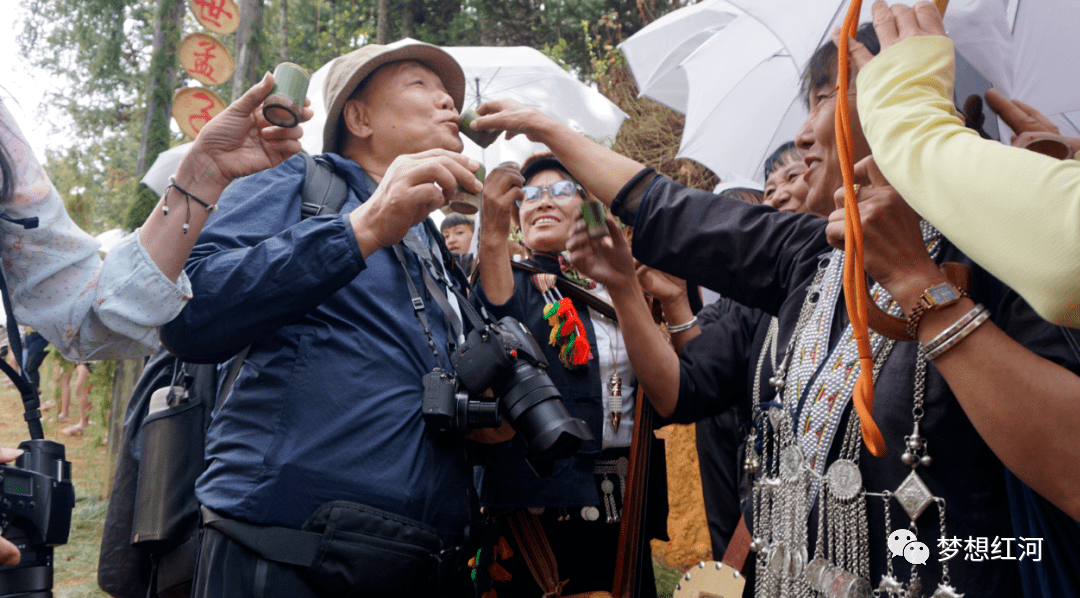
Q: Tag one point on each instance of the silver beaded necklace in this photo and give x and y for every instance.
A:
(814, 388)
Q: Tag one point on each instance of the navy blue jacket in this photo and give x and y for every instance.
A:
(327, 404)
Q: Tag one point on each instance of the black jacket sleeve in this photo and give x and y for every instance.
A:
(753, 254)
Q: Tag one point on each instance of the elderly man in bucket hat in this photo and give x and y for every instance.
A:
(321, 478)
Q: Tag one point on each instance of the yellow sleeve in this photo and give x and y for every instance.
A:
(1015, 212)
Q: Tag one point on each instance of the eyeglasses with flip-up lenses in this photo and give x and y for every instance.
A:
(560, 192)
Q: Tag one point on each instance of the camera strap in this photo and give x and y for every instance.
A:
(31, 402)
(420, 311)
(438, 272)
(431, 272)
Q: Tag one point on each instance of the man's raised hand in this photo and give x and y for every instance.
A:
(413, 187)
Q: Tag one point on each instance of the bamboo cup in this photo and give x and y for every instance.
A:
(481, 138)
(592, 211)
(465, 202)
(285, 104)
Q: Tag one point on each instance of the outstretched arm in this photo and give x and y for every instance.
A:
(602, 171)
(236, 143)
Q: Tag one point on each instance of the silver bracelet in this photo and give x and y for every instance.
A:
(953, 329)
(683, 327)
(960, 335)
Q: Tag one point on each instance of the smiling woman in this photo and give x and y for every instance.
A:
(580, 504)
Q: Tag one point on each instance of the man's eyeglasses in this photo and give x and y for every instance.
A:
(560, 192)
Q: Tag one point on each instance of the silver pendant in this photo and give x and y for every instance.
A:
(615, 399)
(845, 480)
(914, 589)
(914, 496)
(615, 392)
(890, 586)
(945, 590)
(791, 463)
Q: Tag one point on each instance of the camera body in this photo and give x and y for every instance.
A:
(36, 501)
(505, 358)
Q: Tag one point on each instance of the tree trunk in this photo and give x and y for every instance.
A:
(408, 19)
(382, 33)
(248, 61)
(284, 54)
(163, 63)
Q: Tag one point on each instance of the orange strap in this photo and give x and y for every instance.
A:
(856, 294)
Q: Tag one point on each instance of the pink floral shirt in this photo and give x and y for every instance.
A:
(88, 308)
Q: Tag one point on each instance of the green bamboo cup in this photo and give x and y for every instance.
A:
(592, 212)
(465, 202)
(285, 105)
(481, 138)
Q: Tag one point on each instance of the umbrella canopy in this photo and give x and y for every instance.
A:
(1020, 46)
(742, 107)
(157, 176)
(518, 73)
(654, 53)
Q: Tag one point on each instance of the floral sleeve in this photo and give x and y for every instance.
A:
(88, 308)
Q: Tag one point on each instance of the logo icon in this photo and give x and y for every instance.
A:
(902, 542)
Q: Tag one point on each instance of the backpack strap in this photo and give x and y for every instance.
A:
(324, 192)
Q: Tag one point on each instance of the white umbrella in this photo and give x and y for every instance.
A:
(743, 106)
(157, 176)
(1022, 47)
(654, 53)
(519, 73)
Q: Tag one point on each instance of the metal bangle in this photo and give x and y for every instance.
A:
(959, 336)
(683, 327)
(953, 329)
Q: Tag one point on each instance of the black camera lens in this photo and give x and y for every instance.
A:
(534, 407)
(506, 358)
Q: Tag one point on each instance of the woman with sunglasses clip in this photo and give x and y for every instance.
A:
(579, 507)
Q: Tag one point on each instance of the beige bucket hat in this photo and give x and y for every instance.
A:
(349, 70)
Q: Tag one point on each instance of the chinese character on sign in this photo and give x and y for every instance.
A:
(203, 115)
(1031, 547)
(975, 549)
(202, 61)
(996, 546)
(211, 10)
(949, 547)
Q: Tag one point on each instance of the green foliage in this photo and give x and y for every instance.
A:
(139, 210)
(96, 47)
(318, 30)
(96, 181)
(162, 67)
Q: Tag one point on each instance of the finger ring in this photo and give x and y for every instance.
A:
(856, 186)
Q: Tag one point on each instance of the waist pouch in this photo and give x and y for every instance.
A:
(349, 549)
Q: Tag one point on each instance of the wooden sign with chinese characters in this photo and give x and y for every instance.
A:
(217, 16)
(206, 59)
(193, 107)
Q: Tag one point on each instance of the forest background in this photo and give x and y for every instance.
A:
(116, 65)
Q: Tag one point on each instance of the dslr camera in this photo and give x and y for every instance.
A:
(36, 500)
(505, 358)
